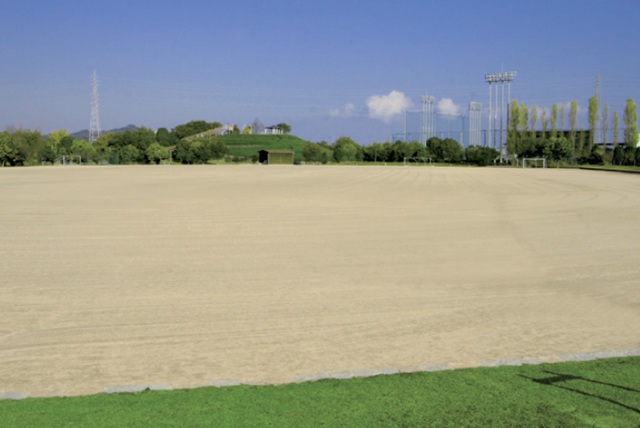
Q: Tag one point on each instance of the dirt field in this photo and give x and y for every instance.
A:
(184, 275)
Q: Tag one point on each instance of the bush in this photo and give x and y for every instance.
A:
(481, 156)
(447, 150)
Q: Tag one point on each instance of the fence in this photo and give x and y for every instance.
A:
(495, 139)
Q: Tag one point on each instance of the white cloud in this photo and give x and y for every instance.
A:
(348, 110)
(384, 107)
(447, 106)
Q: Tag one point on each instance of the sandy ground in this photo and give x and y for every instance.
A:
(184, 275)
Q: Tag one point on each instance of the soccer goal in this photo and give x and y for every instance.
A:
(418, 161)
(535, 162)
(68, 160)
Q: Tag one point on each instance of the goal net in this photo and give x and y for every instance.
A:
(534, 162)
(418, 161)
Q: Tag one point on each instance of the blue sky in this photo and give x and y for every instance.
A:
(328, 68)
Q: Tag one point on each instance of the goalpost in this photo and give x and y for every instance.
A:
(535, 160)
(427, 161)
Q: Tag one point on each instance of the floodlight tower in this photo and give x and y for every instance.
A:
(489, 78)
(94, 128)
(428, 119)
(499, 77)
(475, 123)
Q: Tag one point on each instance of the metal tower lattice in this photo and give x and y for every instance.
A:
(94, 128)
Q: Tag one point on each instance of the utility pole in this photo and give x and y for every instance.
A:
(94, 128)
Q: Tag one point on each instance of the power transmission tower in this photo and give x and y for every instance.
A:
(94, 128)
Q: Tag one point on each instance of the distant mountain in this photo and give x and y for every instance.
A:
(84, 134)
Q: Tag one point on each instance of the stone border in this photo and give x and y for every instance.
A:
(582, 356)
(586, 168)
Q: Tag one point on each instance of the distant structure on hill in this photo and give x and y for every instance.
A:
(272, 130)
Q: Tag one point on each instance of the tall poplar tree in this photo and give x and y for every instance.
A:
(605, 126)
(534, 120)
(594, 106)
(616, 129)
(544, 123)
(573, 121)
(554, 121)
(581, 141)
(512, 128)
(631, 124)
(524, 120)
(562, 119)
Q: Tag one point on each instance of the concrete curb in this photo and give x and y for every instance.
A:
(14, 396)
(229, 382)
(549, 359)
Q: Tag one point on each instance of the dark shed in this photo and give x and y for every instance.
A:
(276, 157)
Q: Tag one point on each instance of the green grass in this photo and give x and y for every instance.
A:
(249, 145)
(602, 393)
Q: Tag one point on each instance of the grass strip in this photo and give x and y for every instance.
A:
(576, 394)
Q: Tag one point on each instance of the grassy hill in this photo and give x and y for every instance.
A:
(249, 145)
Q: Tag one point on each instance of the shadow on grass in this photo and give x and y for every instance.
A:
(559, 377)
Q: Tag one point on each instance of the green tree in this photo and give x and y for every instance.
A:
(417, 149)
(618, 155)
(524, 121)
(557, 149)
(165, 138)
(616, 129)
(200, 150)
(447, 150)
(311, 153)
(8, 151)
(156, 153)
(84, 149)
(594, 107)
(30, 146)
(582, 141)
(630, 118)
(129, 154)
(605, 127)
(481, 156)
(401, 150)
(544, 122)
(194, 127)
(247, 130)
(512, 129)
(554, 121)
(534, 120)
(56, 137)
(284, 128)
(573, 121)
(561, 117)
(345, 149)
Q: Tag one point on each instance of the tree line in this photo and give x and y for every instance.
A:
(556, 141)
(448, 150)
(20, 147)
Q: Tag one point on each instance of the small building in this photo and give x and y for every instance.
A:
(272, 130)
(276, 157)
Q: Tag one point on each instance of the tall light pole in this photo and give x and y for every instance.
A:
(94, 127)
(490, 79)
